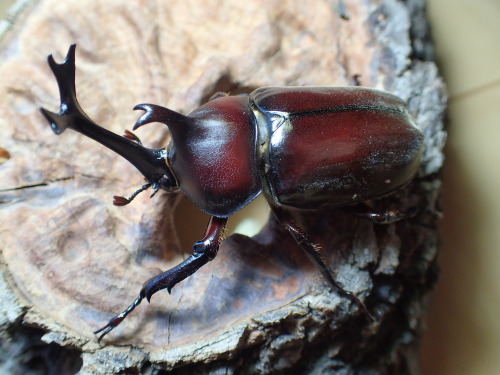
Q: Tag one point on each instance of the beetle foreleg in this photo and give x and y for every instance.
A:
(286, 219)
(204, 251)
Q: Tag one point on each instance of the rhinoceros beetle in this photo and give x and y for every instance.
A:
(305, 148)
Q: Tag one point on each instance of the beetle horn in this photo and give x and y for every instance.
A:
(65, 76)
(150, 162)
(156, 113)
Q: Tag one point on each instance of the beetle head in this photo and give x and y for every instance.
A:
(152, 163)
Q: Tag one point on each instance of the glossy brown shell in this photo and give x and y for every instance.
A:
(322, 147)
(213, 156)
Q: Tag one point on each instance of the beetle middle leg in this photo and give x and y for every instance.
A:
(286, 219)
(203, 251)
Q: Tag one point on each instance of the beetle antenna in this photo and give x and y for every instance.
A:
(129, 135)
(122, 201)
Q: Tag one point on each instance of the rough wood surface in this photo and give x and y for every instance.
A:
(70, 260)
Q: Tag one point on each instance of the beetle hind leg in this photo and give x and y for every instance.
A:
(312, 251)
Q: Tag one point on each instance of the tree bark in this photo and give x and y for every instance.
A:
(70, 260)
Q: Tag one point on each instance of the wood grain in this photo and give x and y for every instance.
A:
(71, 260)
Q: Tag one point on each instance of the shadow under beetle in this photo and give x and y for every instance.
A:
(303, 147)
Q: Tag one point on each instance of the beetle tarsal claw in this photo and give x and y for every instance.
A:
(115, 321)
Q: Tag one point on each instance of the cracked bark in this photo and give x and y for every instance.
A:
(70, 260)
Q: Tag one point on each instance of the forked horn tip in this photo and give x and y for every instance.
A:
(50, 59)
(71, 53)
(56, 121)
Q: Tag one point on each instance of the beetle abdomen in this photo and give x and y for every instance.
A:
(332, 146)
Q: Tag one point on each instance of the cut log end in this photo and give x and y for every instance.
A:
(71, 261)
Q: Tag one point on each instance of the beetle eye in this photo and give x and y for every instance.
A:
(165, 182)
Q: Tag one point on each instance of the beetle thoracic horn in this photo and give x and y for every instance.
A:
(157, 113)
